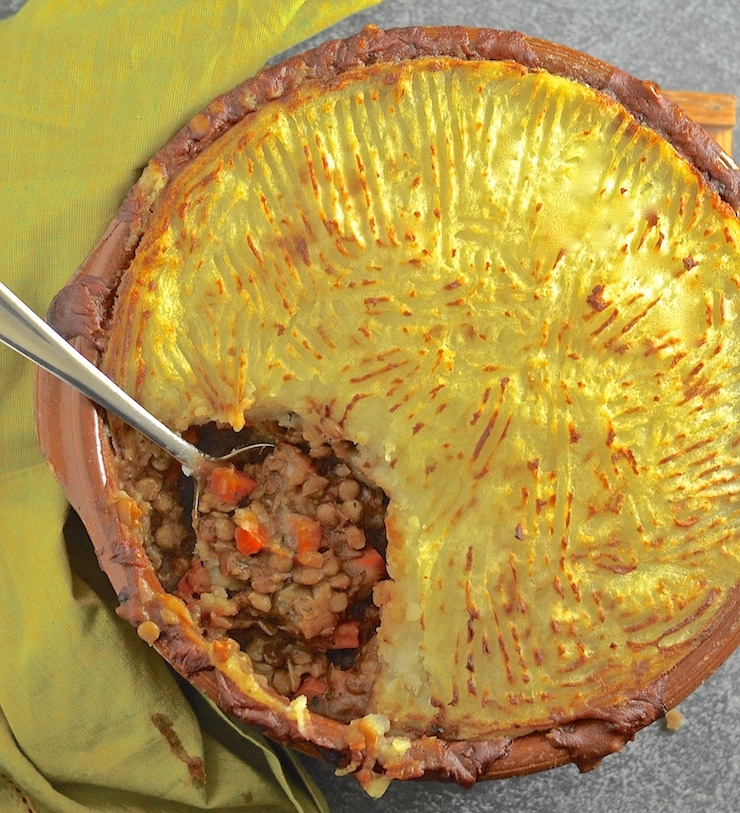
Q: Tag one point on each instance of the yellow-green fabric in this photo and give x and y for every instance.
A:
(90, 719)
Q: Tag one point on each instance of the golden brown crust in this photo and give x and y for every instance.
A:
(373, 45)
(82, 309)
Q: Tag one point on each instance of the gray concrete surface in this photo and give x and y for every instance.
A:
(8, 7)
(693, 46)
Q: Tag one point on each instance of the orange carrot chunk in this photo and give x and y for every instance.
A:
(346, 636)
(231, 485)
(249, 540)
(306, 532)
(370, 567)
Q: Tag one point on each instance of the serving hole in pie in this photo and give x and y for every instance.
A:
(281, 556)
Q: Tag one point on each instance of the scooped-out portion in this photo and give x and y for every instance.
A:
(281, 555)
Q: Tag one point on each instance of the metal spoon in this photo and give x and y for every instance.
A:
(32, 337)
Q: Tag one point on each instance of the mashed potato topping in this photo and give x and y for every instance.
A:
(524, 326)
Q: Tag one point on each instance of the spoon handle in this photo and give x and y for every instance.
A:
(29, 335)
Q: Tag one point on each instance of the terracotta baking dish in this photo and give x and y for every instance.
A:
(600, 585)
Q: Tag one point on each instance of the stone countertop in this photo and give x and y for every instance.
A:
(688, 46)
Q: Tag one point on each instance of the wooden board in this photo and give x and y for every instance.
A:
(716, 112)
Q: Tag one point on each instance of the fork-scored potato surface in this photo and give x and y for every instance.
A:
(521, 305)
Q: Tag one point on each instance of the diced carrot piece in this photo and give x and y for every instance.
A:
(249, 540)
(250, 535)
(230, 485)
(307, 533)
(313, 687)
(370, 566)
(346, 636)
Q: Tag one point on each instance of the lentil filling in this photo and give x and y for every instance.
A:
(282, 556)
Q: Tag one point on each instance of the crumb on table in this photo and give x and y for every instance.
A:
(674, 720)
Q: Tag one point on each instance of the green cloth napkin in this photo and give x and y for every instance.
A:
(91, 720)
